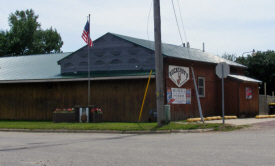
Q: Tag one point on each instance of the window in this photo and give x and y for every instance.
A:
(201, 86)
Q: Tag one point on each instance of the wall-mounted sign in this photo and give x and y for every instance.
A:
(248, 92)
(179, 75)
(169, 96)
(178, 96)
(188, 96)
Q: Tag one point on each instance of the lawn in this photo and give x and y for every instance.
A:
(119, 126)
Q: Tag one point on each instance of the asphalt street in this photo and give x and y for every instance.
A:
(252, 146)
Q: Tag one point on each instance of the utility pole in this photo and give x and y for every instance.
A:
(158, 65)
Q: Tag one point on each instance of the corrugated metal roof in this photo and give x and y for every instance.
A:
(38, 68)
(44, 67)
(181, 52)
(32, 67)
(244, 78)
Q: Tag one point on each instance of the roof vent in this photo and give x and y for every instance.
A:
(183, 44)
(188, 45)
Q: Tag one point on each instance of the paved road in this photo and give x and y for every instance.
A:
(253, 146)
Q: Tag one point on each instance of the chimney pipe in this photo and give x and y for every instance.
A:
(183, 44)
(202, 47)
(188, 45)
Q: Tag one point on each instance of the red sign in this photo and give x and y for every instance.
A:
(248, 92)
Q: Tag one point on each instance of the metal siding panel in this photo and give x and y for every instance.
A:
(108, 49)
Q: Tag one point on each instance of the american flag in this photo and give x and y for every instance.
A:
(85, 35)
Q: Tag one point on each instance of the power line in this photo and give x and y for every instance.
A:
(182, 21)
(177, 21)
(148, 23)
(182, 26)
(149, 45)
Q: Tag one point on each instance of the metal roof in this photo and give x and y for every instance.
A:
(44, 67)
(244, 78)
(181, 52)
(31, 67)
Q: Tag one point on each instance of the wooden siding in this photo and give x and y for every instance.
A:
(184, 111)
(235, 99)
(249, 107)
(231, 97)
(211, 104)
(120, 100)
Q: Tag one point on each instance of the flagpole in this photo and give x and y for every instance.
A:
(89, 63)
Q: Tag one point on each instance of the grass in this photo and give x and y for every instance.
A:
(32, 125)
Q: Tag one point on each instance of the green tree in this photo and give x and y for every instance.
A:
(3, 43)
(231, 57)
(261, 67)
(26, 37)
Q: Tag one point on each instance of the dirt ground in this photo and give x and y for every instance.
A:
(261, 125)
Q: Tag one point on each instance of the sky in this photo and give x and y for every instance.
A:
(224, 26)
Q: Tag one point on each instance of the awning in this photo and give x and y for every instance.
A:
(244, 78)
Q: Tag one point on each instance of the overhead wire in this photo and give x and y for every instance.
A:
(182, 25)
(148, 23)
(177, 21)
(182, 22)
(148, 28)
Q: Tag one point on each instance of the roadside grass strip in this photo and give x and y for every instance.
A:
(115, 126)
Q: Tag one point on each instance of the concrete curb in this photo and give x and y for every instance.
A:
(109, 131)
(264, 116)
